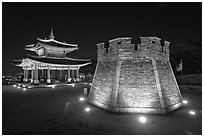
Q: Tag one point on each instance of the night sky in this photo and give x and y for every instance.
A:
(90, 23)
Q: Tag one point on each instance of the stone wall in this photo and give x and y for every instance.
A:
(170, 90)
(137, 85)
(130, 80)
(102, 86)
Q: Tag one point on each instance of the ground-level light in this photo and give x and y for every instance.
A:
(18, 86)
(53, 86)
(185, 102)
(142, 119)
(14, 85)
(87, 109)
(192, 112)
(24, 89)
(81, 99)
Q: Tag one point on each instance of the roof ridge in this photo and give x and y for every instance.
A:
(63, 43)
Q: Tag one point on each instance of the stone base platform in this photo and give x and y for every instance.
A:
(137, 110)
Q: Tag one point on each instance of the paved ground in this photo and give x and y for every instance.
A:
(59, 111)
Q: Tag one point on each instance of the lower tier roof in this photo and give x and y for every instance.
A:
(30, 60)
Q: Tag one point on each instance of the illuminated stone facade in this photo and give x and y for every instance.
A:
(135, 78)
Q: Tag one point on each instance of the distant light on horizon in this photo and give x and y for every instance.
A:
(53, 86)
(142, 119)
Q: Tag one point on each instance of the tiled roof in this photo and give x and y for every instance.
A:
(61, 61)
(56, 43)
(16, 62)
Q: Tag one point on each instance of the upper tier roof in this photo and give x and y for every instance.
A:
(52, 42)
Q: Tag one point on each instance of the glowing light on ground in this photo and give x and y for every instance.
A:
(14, 85)
(53, 86)
(87, 109)
(90, 84)
(142, 119)
(81, 99)
(192, 112)
(72, 85)
(18, 87)
(185, 102)
(24, 89)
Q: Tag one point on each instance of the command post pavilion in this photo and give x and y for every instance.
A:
(50, 63)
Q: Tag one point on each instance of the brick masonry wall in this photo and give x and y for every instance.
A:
(144, 78)
(137, 85)
(170, 91)
(102, 85)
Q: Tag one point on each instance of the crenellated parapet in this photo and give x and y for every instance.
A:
(122, 49)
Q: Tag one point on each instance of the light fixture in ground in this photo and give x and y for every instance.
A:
(87, 109)
(18, 86)
(192, 112)
(185, 102)
(73, 85)
(24, 89)
(142, 119)
(14, 85)
(81, 99)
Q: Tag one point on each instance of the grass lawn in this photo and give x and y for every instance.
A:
(59, 111)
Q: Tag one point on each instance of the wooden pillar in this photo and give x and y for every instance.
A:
(32, 75)
(68, 75)
(25, 79)
(72, 73)
(77, 74)
(48, 75)
(60, 75)
(36, 81)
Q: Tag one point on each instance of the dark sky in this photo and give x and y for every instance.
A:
(90, 23)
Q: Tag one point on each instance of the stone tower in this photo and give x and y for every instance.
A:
(135, 78)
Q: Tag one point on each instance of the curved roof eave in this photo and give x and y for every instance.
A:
(52, 40)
